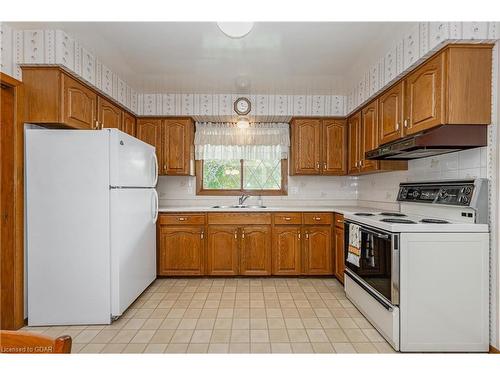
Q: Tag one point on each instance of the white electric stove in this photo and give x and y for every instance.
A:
(421, 276)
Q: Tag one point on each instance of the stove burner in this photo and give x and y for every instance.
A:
(393, 214)
(434, 221)
(363, 214)
(398, 221)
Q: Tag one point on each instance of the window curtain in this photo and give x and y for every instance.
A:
(226, 141)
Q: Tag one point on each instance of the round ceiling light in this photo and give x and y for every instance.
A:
(243, 123)
(235, 30)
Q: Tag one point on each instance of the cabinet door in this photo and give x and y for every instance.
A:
(368, 138)
(318, 250)
(177, 147)
(255, 254)
(108, 115)
(354, 128)
(424, 96)
(286, 251)
(306, 146)
(149, 131)
(181, 250)
(339, 253)
(391, 114)
(80, 105)
(334, 147)
(223, 249)
(128, 124)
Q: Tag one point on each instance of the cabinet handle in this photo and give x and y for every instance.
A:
(96, 124)
(298, 234)
(164, 167)
(406, 123)
(236, 234)
(182, 218)
(242, 233)
(287, 218)
(339, 221)
(202, 234)
(307, 236)
(324, 165)
(397, 126)
(361, 163)
(356, 164)
(317, 218)
(317, 165)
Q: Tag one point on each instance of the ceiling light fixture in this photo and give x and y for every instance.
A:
(242, 123)
(235, 30)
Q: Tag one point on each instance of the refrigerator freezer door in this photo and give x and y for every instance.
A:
(67, 227)
(133, 245)
(133, 162)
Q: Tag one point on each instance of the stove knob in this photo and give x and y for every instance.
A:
(463, 199)
(468, 190)
(404, 193)
(415, 194)
(443, 194)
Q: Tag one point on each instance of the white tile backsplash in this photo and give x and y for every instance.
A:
(383, 187)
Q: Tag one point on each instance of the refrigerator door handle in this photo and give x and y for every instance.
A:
(156, 169)
(156, 208)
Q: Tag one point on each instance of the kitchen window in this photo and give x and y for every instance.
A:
(235, 161)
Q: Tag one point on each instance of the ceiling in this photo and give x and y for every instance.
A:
(196, 57)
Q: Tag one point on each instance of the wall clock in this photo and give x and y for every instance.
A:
(242, 106)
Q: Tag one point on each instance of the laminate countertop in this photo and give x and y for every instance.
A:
(339, 209)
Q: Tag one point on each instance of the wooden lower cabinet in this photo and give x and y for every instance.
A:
(317, 252)
(339, 248)
(286, 251)
(255, 250)
(181, 251)
(222, 250)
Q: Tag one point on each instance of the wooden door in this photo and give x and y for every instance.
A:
(354, 129)
(318, 250)
(334, 147)
(306, 146)
(128, 124)
(108, 115)
(80, 105)
(181, 250)
(391, 114)
(149, 131)
(424, 96)
(339, 253)
(368, 138)
(223, 249)
(286, 251)
(255, 253)
(177, 147)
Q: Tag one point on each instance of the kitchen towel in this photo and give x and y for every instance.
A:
(354, 250)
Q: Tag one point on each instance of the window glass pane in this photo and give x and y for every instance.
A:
(262, 174)
(221, 174)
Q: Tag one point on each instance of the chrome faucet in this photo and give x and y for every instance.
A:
(242, 199)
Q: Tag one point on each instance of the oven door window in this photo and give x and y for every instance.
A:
(375, 263)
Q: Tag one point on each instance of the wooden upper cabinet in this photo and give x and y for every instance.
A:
(108, 114)
(222, 250)
(368, 137)
(354, 130)
(149, 131)
(178, 147)
(255, 254)
(390, 124)
(424, 96)
(79, 109)
(306, 147)
(181, 250)
(318, 250)
(128, 124)
(286, 250)
(333, 147)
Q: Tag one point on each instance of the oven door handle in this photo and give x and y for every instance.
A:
(384, 304)
(376, 234)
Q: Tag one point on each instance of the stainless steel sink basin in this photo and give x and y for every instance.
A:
(240, 206)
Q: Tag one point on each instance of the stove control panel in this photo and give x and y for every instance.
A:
(456, 194)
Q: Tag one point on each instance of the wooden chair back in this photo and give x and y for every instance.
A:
(23, 342)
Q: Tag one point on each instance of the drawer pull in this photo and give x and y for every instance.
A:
(182, 218)
(236, 234)
(287, 218)
(317, 218)
(307, 236)
(339, 221)
(202, 234)
(298, 234)
(242, 233)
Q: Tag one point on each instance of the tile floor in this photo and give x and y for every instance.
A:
(233, 315)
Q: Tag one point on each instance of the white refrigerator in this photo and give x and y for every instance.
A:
(91, 209)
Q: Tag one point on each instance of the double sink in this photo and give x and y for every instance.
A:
(240, 206)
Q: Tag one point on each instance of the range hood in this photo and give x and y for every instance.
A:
(436, 141)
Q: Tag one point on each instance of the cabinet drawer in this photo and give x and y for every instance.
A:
(239, 218)
(172, 219)
(288, 218)
(339, 220)
(318, 218)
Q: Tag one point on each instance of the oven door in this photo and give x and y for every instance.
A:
(378, 268)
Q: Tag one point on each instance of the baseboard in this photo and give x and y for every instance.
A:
(494, 350)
